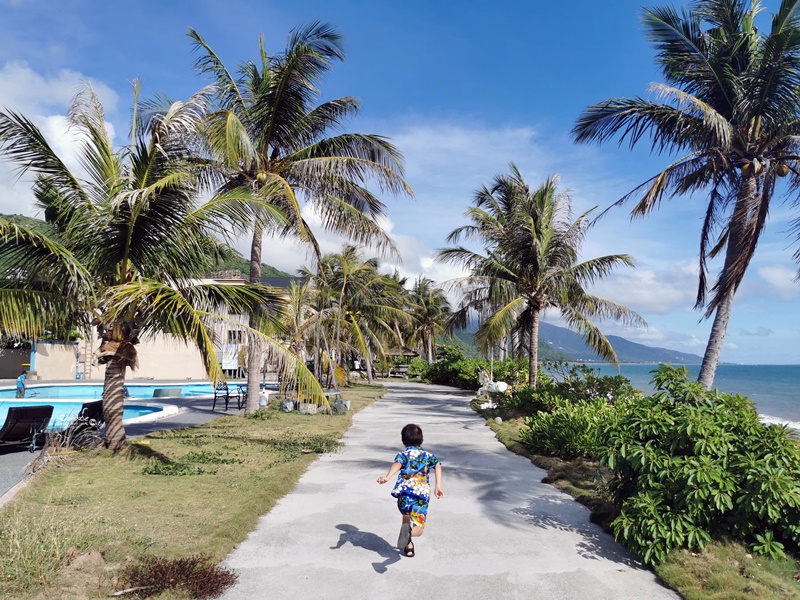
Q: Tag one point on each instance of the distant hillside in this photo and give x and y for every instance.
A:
(241, 265)
(464, 341)
(30, 222)
(571, 344)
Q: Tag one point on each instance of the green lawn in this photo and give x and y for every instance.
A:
(200, 490)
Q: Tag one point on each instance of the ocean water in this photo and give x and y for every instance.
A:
(773, 389)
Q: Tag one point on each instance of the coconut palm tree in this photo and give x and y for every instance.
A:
(430, 311)
(128, 244)
(268, 135)
(365, 305)
(730, 112)
(531, 264)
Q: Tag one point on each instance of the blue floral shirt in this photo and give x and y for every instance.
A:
(413, 479)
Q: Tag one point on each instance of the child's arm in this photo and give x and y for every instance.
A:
(438, 489)
(392, 472)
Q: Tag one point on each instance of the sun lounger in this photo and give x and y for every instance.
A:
(25, 425)
(89, 420)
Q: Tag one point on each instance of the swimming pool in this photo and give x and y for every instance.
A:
(64, 412)
(94, 391)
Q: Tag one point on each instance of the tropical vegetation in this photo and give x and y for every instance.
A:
(729, 109)
(685, 466)
(530, 264)
(266, 134)
(126, 245)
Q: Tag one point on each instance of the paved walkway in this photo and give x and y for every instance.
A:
(498, 533)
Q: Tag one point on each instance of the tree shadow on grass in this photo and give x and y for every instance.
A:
(368, 541)
(138, 451)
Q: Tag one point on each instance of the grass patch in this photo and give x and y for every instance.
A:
(727, 571)
(724, 570)
(87, 516)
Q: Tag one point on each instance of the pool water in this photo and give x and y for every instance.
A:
(94, 391)
(65, 412)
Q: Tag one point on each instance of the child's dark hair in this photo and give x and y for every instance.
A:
(411, 435)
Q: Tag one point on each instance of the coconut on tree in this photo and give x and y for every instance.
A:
(729, 114)
(529, 265)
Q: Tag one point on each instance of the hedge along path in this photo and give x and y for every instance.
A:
(173, 494)
(498, 533)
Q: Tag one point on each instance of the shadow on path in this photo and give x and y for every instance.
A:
(368, 541)
(547, 512)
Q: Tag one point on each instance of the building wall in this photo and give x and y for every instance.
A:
(12, 361)
(54, 360)
(159, 358)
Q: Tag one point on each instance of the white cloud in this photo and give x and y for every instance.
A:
(24, 90)
(758, 332)
(44, 101)
(650, 290)
(781, 280)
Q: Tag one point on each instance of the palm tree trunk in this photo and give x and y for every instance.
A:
(113, 404)
(715, 341)
(430, 348)
(254, 352)
(369, 366)
(254, 360)
(737, 225)
(533, 351)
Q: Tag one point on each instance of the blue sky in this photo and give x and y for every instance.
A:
(463, 90)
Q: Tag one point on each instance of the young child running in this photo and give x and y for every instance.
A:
(412, 489)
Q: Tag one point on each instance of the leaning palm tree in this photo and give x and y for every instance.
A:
(268, 135)
(731, 112)
(531, 264)
(128, 244)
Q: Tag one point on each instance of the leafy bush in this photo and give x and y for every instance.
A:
(514, 371)
(567, 430)
(418, 367)
(580, 383)
(574, 384)
(690, 465)
(453, 369)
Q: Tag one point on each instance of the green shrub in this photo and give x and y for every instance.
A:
(579, 383)
(690, 465)
(514, 371)
(418, 367)
(453, 369)
(566, 430)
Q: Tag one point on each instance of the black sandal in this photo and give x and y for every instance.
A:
(409, 550)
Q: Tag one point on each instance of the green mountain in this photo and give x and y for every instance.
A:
(571, 344)
(464, 341)
(239, 266)
(31, 223)
(560, 343)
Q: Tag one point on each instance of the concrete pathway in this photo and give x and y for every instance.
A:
(498, 533)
